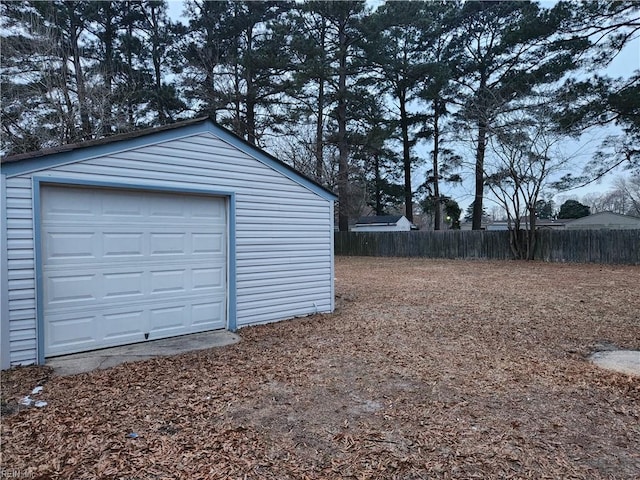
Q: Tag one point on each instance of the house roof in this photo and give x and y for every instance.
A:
(379, 219)
(611, 215)
(544, 222)
(547, 222)
(49, 157)
(100, 141)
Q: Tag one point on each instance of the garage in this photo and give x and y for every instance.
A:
(168, 231)
(126, 266)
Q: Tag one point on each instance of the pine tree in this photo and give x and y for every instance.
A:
(45, 101)
(311, 57)
(505, 50)
(573, 209)
(238, 50)
(439, 91)
(397, 61)
(599, 100)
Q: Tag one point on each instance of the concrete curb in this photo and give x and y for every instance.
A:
(110, 357)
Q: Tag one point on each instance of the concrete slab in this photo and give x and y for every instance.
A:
(623, 361)
(110, 357)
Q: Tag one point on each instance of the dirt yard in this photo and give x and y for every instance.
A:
(428, 369)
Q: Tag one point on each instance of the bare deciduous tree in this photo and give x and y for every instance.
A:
(524, 157)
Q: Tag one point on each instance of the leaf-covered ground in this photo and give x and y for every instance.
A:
(428, 369)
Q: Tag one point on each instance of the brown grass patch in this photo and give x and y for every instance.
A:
(428, 369)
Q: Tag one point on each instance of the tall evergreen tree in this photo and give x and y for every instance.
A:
(204, 50)
(598, 100)
(257, 62)
(105, 20)
(44, 88)
(439, 91)
(161, 61)
(396, 57)
(505, 50)
(344, 18)
(239, 52)
(573, 209)
(370, 133)
(311, 57)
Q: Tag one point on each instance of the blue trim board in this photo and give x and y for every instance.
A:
(232, 303)
(38, 182)
(110, 145)
(59, 181)
(45, 161)
(37, 260)
(272, 162)
(333, 257)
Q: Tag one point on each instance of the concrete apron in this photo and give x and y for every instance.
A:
(622, 361)
(110, 357)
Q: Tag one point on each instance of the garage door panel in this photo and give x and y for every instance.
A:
(204, 243)
(118, 244)
(217, 213)
(168, 320)
(168, 281)
(207, 278)
(207, 316)
(68, 205)
(141, 264)
(123, 285)
(70, 332)
(68, 289)
(167, 209)
(69, 245)
(168, 243)
(122, 325)
(123, 205)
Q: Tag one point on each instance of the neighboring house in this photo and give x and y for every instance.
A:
(153, 234)
(551, 224)
(604, 220)
(486, 221)
(541, 224)
(383, 223)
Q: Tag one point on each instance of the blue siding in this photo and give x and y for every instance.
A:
(280, 224)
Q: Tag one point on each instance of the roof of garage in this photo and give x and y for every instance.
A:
(376, 219)
(32, 161)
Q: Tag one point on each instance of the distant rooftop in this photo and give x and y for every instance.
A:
(377, 219)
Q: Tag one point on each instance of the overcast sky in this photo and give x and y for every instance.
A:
(623, 65)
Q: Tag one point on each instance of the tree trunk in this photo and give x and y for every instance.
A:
(250, 101)
(250, 117)
(406, 156)
(378, 181)
(319, 150)
(531, 233)
(108, 40)
(479, 190)
(212, 58)
(437, 222)
(129, 55)
(238, 127)
(157, 63)
(67, 117)
(85, 123)
(483, 126)
(343, 148)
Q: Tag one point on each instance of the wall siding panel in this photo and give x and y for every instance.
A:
(283, 230)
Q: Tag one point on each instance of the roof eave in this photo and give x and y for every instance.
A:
(65, 154)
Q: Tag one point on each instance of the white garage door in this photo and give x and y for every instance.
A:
(124, 266)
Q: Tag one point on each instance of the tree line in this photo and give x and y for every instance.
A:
(354, 97)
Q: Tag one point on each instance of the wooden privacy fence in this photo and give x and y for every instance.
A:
(582, 246)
